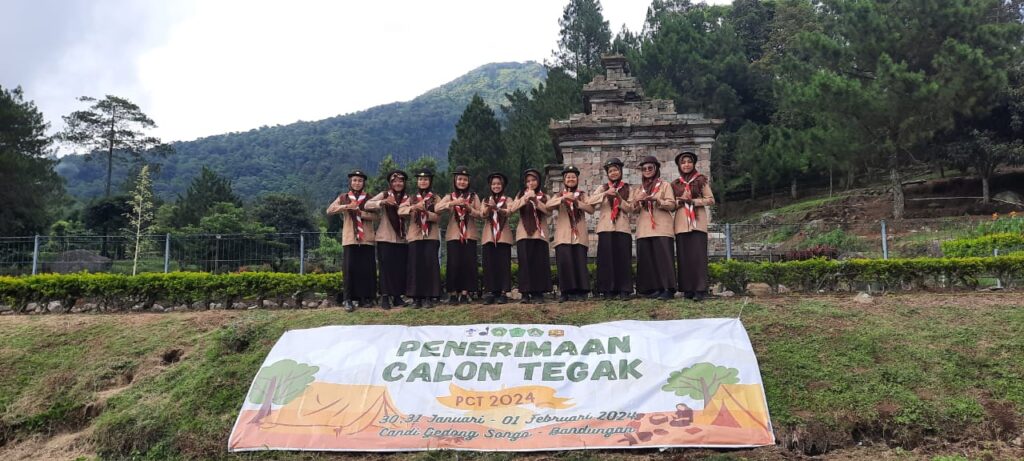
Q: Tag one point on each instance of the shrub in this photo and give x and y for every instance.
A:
(985, 245)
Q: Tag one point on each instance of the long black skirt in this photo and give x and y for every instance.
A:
(534, 266)
(571, 261)
(424, 272)
(655, 265)
(497, 267)
(359, 272)
(692, 260)
(614, 263)
(393, 258)
(460, 268)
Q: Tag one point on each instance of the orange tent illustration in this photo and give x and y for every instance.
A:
(735, 405)
(339, 409)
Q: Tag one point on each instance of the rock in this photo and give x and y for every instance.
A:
(863, 298)
(70, 262)
(726, 294)
(783, 289)
(88, 307)
(325, 304)
(31, 307)
(769, 219)
(815, 225)
(309, 304)
(198, 305)
(158, 308)
(759, 289)
(269, 304)
(1010, 197)
(239, 305)
(180, 308)
(5, 308)
(7, 313)
(216, 306)
(254, 306)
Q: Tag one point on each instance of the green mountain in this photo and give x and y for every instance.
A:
(312, 159)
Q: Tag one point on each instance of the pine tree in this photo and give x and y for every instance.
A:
(206, 190)
(477, 144)
(30, 187)
(584, 36)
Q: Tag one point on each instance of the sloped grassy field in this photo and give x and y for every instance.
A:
(909, 376)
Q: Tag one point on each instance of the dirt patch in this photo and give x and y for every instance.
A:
(62, 446)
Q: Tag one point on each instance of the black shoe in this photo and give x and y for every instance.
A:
(538, 299)
(525, 300)
(348, 305)
(667, 295)
(564, 297)
(428, 303)
(454, 300)
(699, 296)
(368, 302)
(654, 294)
(489, 299)
(397, 301)
(502, 299)
(385, 302)
(623, 296)
(578, 297)
(688, 294)
(417, 303)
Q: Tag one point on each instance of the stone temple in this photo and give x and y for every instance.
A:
(619, 122)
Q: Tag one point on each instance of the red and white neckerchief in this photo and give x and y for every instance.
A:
(460, 216)
(572, 206)
(496, 226)
(421, 216)
(536, 214)
(649, 204)
(356, 215)
(688, 210)
(615, 201)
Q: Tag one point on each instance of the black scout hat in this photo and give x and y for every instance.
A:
(425, 173)
(614, 161)
(686, 153)
(460, 170)
(570, 169)
(650, 159)
(504, 179)
(357, 172)
(532, 171)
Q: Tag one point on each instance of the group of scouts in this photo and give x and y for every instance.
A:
(403, 226)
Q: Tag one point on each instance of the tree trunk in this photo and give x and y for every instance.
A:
(897, 193)
(849, 179)
(753, 189)
(110, 169)
(985, 193)
(792, 189)
(830, 180)
(268, 398)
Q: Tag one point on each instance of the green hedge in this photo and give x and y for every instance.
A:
(113, 291)
(984, 245)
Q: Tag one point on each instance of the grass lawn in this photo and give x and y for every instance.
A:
(908, 376)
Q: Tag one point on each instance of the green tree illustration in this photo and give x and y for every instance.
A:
(700, 381)
(279, 384)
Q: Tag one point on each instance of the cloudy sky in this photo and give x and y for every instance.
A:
(200, 68)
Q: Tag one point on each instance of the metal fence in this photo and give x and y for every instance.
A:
(322, 252)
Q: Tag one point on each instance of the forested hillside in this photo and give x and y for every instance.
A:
(311, 159)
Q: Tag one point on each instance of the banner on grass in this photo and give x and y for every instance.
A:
(626, 384)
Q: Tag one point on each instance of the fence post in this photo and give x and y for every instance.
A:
(728, 241)
(35, 256)
(885, 242)
(302, 253)
(167, 253)
(999, 282)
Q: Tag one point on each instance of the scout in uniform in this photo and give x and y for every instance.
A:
(392, 248)
(693, 196)
(497, 241)
(655, 262)
(614, 240)
(461, 237)
(571, 237)
(532, 239)
(423, 275)
(359, 266)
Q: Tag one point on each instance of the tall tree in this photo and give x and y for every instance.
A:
(207, 189)
(112, 127)
(477, 144)
(286, 213)
(899, 72)
(583, 37)
(30, 186)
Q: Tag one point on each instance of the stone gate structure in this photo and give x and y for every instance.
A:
(619, 122)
